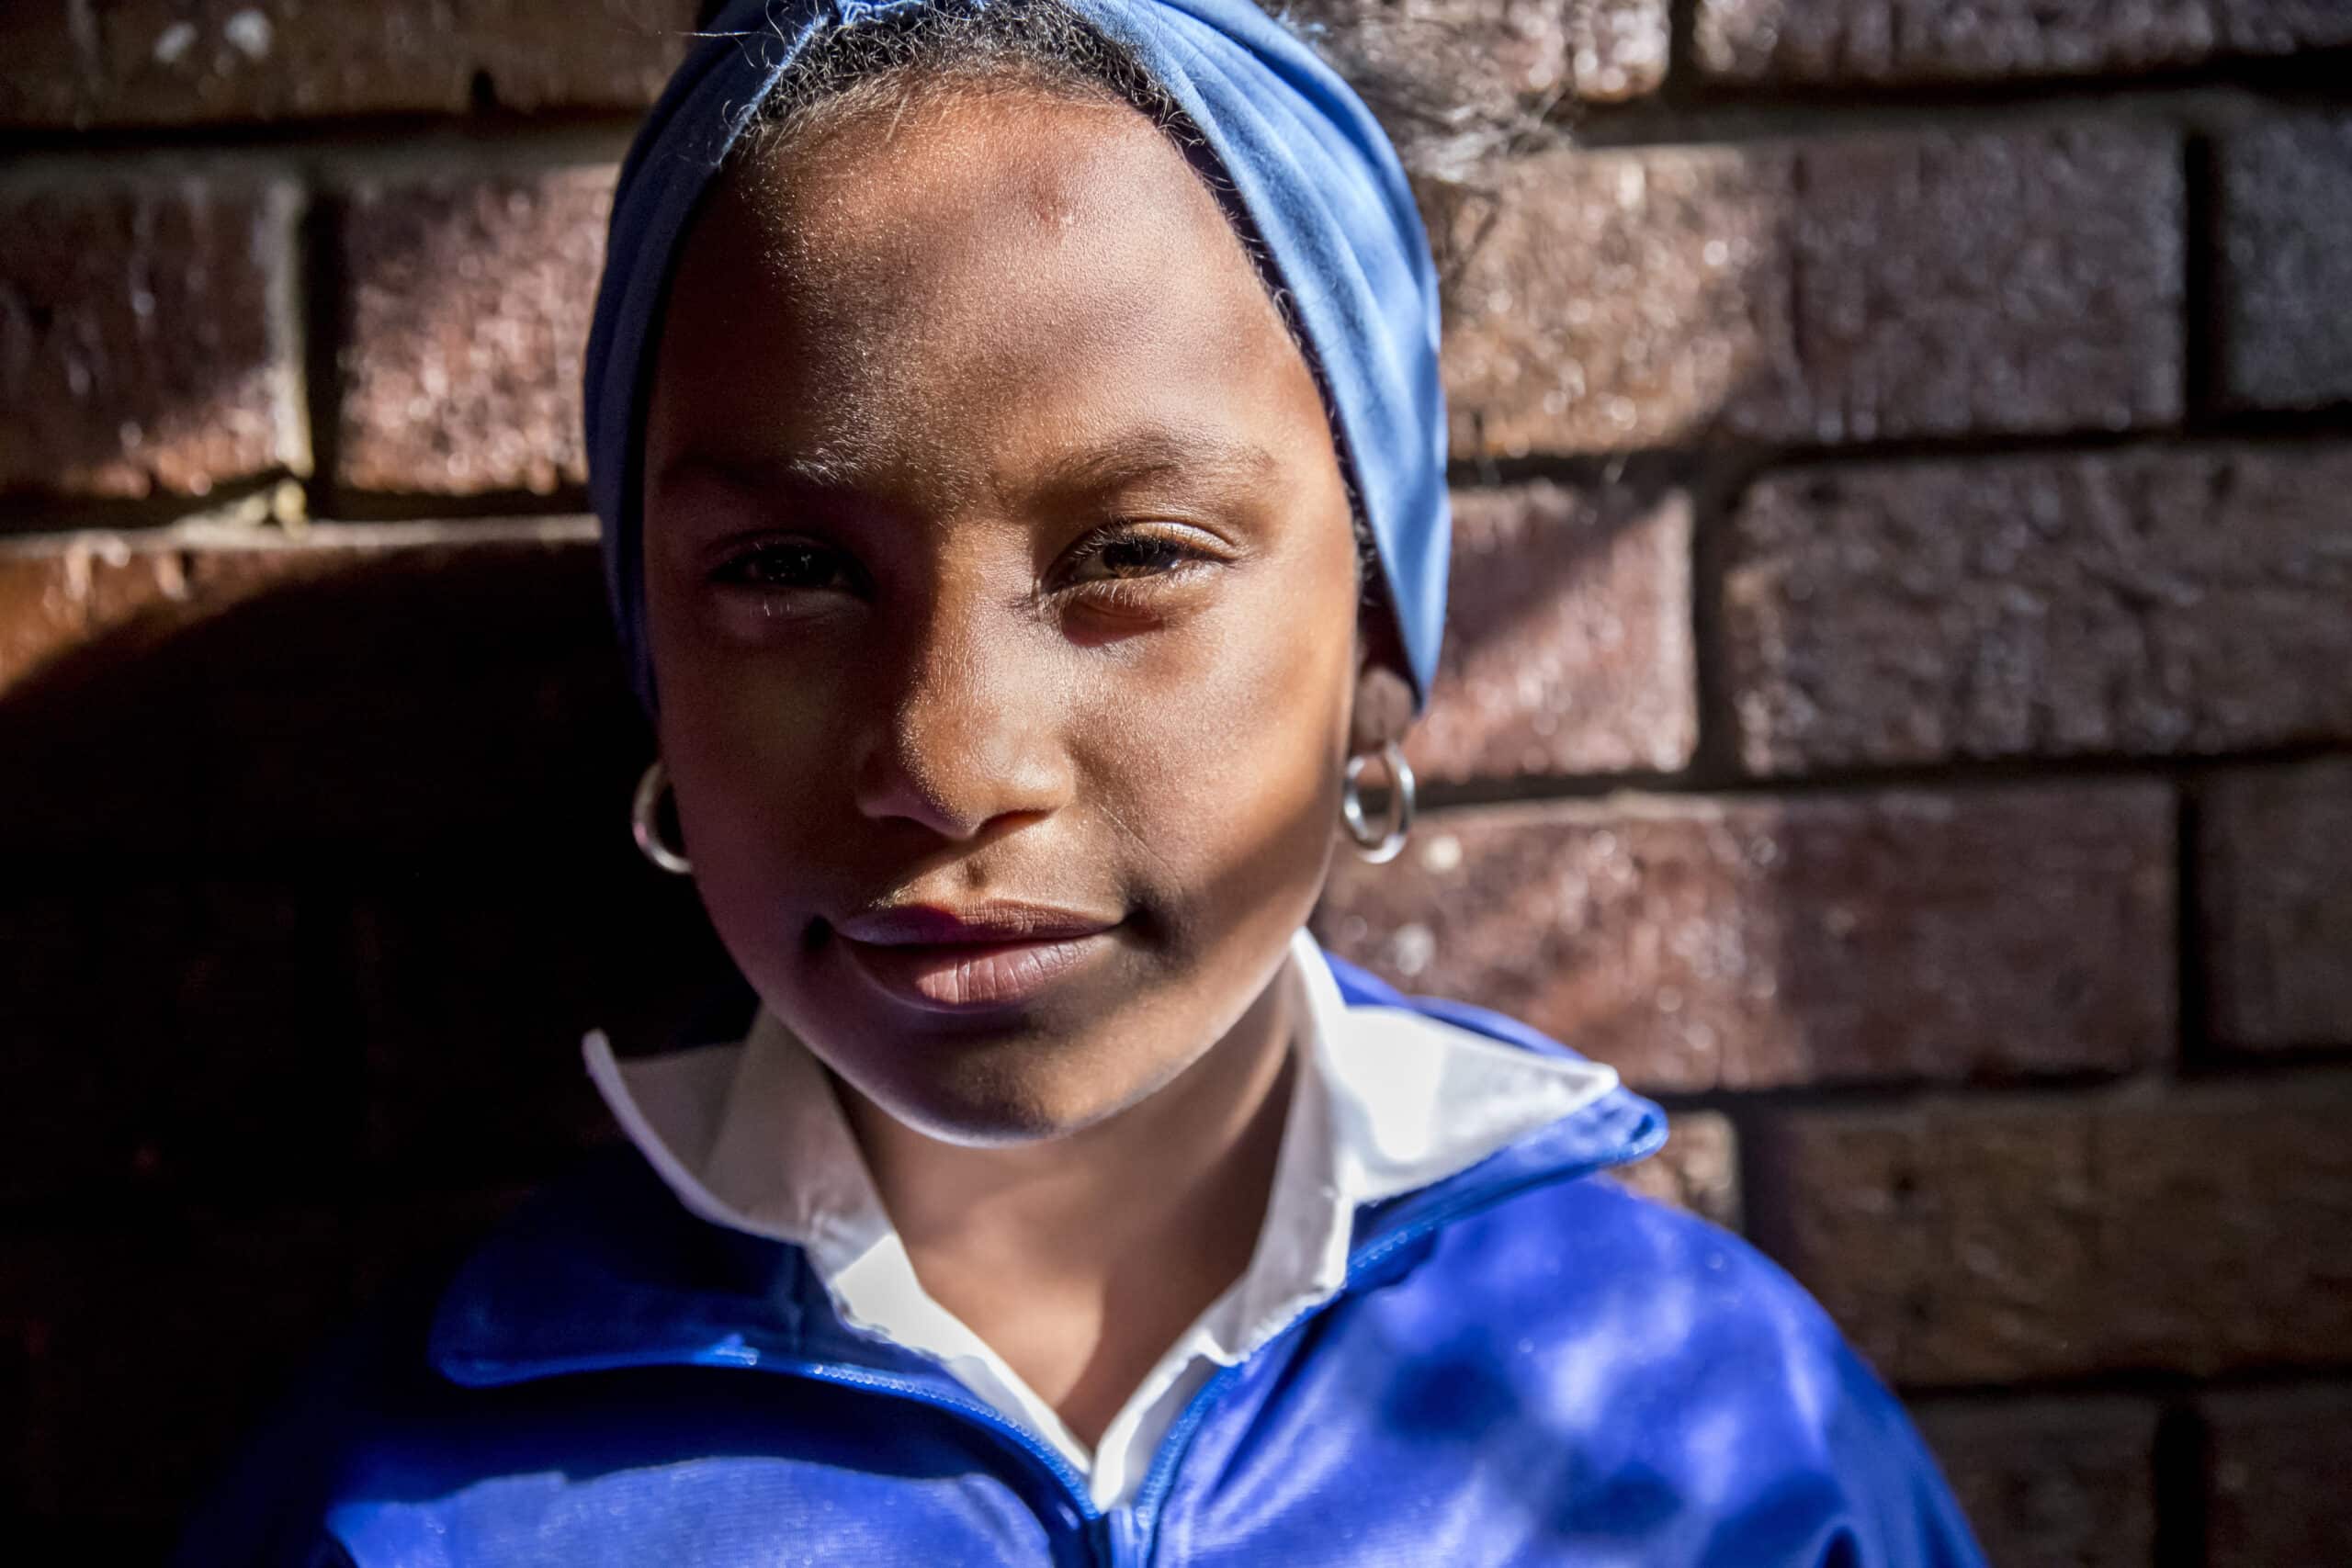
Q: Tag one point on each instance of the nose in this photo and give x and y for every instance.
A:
(966, 735)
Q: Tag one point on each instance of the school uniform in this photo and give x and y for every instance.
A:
(1458, 1342)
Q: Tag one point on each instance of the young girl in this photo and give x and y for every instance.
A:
(1017, 431)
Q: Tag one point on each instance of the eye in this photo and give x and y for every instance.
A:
(786, 566)
(1131, 554)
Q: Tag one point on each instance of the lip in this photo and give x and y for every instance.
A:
(977, 958)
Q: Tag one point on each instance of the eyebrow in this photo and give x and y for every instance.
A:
(1158, 452)
(805, 474)
(1127, 458)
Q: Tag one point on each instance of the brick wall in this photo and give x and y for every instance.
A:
(1896, 710)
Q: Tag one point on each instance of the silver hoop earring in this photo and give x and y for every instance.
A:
(644, 822)
(1382, 845)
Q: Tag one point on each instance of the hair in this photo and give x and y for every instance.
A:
(893, 62)
(1429, 78)
(899, 57)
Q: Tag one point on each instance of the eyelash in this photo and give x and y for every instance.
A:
(1118, 589)
(1182, 556)
(738, 570)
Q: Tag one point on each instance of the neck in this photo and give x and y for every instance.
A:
(1081, 1259)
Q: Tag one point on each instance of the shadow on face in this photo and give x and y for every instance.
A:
(1002, 599)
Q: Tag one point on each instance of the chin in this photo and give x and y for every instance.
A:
(982, 1121)
(1001, 1095)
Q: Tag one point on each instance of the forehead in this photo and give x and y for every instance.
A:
(1006, 263)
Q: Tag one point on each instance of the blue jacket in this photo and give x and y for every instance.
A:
(1527, 1365)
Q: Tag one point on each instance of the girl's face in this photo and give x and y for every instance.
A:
(1003, 599)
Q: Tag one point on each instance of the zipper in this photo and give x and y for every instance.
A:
(1161, 1476)
(1124, 1536)
(1114, 1539)
(1014, 1436)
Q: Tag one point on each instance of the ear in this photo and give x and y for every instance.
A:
(1383, 697)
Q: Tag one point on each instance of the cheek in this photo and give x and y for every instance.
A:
(1207, 761)
(755, 776)
(1233, 778)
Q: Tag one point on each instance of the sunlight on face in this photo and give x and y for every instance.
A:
(1003, 599)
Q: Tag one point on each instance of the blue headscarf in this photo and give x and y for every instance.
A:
(1307, 163)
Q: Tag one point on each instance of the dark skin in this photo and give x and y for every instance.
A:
(1003, 599)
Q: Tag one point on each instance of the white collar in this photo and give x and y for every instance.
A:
(1385, 1100)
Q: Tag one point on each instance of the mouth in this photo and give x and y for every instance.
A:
(973, 958)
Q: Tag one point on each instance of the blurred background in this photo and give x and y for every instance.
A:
(1898, 707)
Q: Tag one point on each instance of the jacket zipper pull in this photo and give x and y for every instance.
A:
(1113, 1536)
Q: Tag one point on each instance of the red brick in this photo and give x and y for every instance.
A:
(466, 304)
(1568, 643)
(80, 1109)
(87, 687)
(2131, 603)
(209, 1036)
(2014, 282)
(65, 596)
(147, 334)
(183, 61)
(1439, 72)
(455, 702)
(48, 603)
(1892, 42)
(1617, 49)
(1612, 301)
(1746, 943)
(2284, 207)
(456, 688)
(2052, 1483)
(1833, 291)
(192, 1034)
(1698, 1169)
(2275, 849)
(2276, 1479)
(453, 699)
(2200, 1232)
(474, 1004)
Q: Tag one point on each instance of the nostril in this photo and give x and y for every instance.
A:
(958, 744)
(896, 790)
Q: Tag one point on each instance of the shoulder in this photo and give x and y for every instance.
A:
(269, 1506)
(1674, 1360)
(374, 1391)
(1657, 1289)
